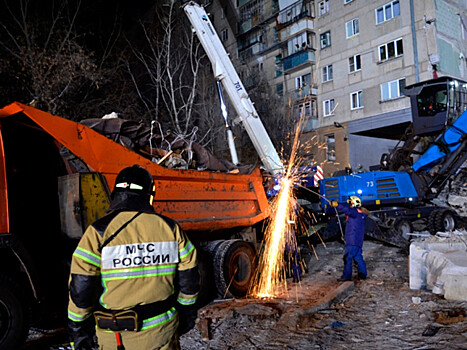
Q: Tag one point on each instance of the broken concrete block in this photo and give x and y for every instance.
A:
(439, 266)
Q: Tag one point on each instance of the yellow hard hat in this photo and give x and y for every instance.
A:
(354, 201)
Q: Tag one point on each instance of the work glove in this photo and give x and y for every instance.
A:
(83, 334)
(365, 211)
(186, 319)
(334, 203)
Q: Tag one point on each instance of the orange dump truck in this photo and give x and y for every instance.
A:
(45, 204)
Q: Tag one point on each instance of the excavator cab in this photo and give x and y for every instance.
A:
(436, 103)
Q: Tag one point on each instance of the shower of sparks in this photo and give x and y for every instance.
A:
(280, 233)
(271, 264)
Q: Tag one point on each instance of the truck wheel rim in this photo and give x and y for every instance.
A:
(405, 228)
(449, 223)
(243, 269)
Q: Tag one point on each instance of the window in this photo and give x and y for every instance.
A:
(351, 28)
(298, 43)
(356, 100)
(328, 107)
(331, 147)
(392, 89)
(310, 109)
(303, 80)
(225, 35)
(278, 65)
(306, 108)
(280, 90)
(323, 7)
(388, 11)
(354, 63)
(391, 50)
(224, 11)
(325, 39)
(327, 73)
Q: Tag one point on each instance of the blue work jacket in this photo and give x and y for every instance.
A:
(355, 225)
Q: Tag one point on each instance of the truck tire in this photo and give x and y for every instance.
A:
(403, 227)
(234, 268)
(207, 286)
(397, 233)
(211, 247)
(445, 220)
(14, 314)
(431, 226)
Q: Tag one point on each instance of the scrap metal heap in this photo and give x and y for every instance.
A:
(164, 148)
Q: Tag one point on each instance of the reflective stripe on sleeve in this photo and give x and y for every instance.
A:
(185, 251)
(186, 301)
(159, 319)
(88, 256)
(138, 272)
(77, 318)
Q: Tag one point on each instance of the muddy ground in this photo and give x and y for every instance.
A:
(322, 313)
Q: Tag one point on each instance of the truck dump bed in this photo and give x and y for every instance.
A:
(197, 200)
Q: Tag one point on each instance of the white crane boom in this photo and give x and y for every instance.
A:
(225, 72)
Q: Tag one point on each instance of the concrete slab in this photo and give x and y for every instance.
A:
(440, 264)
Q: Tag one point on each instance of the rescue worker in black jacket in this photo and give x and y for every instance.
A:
(135, 271)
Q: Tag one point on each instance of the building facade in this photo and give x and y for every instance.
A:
(342, 66)
(374, 49)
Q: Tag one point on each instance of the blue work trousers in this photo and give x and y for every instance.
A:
(353, 253)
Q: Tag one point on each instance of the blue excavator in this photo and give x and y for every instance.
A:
(405, 192)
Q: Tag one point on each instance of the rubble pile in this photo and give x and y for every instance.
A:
(454, 193)
(457, 196)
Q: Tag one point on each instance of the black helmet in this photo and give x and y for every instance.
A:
(133, 189)
(134, 179)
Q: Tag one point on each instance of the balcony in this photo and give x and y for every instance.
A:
(299, 58)
(242, 2)
(301, 25)
(306, 109)
(250, 51)
(255, 12)
(247, 25)
(303, 92)
(294, 13)
(310, 124)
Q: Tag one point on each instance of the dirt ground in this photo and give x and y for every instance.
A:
(379, 313)
(322, 313)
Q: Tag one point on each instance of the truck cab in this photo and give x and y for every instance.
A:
(33, 250)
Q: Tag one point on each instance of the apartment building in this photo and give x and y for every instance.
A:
(276, 48)
(369, 51)
(343, 65)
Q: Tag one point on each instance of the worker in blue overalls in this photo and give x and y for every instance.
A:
(354, 231)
